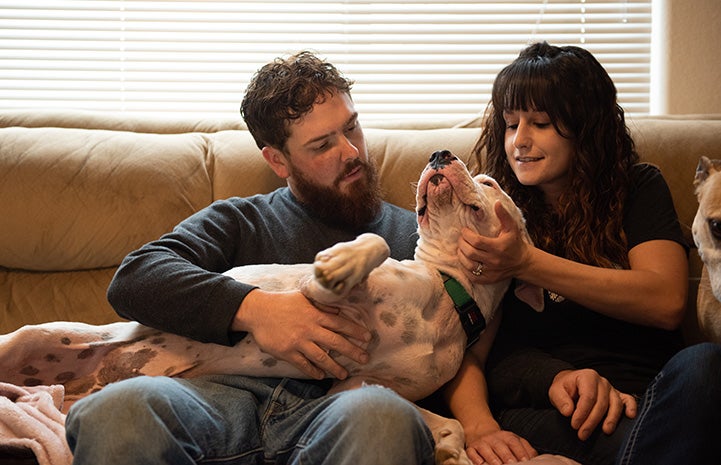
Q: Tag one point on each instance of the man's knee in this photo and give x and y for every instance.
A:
(378, 410)
(128, 400)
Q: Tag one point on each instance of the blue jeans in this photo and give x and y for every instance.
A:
(678, 421)
(240, 420)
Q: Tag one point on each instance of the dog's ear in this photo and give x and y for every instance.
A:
(530, 294)
(704, 169)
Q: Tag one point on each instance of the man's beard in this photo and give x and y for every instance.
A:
(356, 209)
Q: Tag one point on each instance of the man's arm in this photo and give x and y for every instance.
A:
(176, 284)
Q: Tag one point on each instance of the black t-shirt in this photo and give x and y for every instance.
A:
(532, 347)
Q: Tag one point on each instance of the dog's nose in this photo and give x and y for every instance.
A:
(441, 158)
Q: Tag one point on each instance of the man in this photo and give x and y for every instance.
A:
(302, 117)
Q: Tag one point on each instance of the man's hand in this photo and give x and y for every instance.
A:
(589, 399)
(499, 447)
(287, 326)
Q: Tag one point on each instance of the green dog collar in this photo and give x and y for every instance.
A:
(471, 317)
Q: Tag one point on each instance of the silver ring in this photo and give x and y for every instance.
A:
(479, 269)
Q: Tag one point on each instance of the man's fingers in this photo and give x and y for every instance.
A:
(561, 398)
(630, 404)
(340, 337)
(615, 411)
(343, 326)
(307, 367)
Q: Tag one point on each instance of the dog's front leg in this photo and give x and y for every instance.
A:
(449, 437)
(341, 267)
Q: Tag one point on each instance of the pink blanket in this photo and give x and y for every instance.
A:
(30, 419)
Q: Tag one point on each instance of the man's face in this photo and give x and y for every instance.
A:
(328, 166)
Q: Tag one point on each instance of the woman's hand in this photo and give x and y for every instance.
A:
(499, 447)
(501, 257)
(590, 399)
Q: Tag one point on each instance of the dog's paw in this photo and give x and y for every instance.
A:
(346, 264)
(449, 452)
(336, 270)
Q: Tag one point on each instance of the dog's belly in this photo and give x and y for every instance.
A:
(418, 341)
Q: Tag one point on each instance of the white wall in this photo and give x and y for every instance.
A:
(686, 57)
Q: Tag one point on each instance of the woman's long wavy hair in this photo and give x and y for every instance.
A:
(572, 87)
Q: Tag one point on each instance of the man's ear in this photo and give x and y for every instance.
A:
(277, 161)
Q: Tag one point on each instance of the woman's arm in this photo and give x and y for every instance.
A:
(652, 292)
(467, 398)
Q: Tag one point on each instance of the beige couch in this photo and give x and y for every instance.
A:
(79, 190)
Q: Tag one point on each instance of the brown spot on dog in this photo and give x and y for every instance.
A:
(169, 371)
(124, 365)
(65, 341)
(64, 377)
(410, 325)
(432, 307)
(389, 319)
(87, 353)
(158, 340)
(32, 382)
(81, 386)
(29, 370)
(270, 362)
(52, 358)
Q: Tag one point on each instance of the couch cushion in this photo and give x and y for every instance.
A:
(87, 198)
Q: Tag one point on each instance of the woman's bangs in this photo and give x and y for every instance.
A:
(524, 92)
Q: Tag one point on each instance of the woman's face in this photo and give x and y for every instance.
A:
(537, 153)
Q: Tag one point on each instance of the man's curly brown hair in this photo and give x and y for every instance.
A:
(574, 89)
(285, 90)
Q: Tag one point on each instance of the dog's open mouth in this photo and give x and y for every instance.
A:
(450, 193)
(436, 179)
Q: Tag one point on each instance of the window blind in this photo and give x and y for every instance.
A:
(410, 59)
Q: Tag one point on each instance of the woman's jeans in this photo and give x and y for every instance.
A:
(241, 420)
(678, 420)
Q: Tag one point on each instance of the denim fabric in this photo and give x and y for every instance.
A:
(241, 421)
(678, 420)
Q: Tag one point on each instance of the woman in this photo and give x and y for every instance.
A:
(580, 378)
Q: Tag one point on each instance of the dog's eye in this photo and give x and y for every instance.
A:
(715, 227)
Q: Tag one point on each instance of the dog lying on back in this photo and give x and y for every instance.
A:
(418, 336)
(706, 232)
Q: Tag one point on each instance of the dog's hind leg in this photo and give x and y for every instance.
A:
(449, 437)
